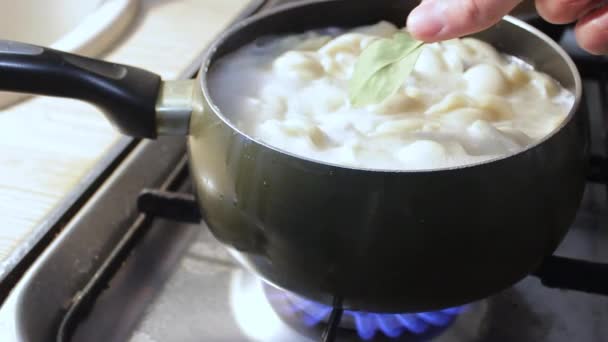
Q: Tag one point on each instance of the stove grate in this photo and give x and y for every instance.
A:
(554, 272)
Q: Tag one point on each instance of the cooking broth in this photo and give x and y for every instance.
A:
(464, 103)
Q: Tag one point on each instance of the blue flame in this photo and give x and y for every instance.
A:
(369, 324)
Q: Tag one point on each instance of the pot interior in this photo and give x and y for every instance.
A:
(510, 36)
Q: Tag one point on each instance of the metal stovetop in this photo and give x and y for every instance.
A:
(181, 285)
(114, 275)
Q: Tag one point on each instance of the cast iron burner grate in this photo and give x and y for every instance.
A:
(554, 272)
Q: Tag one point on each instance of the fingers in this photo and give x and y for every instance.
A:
(436, 20)
(563, 11)
(592, 31)
(592, 17)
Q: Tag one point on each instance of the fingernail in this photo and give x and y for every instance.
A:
(424, 22)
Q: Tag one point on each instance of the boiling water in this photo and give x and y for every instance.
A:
(464, 103)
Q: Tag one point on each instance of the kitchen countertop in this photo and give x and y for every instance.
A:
(48, 146)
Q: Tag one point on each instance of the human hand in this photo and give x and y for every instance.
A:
(436, 20)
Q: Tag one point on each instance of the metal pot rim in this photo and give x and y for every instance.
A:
(210, 105)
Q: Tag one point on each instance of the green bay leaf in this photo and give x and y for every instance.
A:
(382, 68)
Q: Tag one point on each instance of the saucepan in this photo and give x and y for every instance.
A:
(381, 241)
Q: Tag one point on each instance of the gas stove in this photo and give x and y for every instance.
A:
(134, 263)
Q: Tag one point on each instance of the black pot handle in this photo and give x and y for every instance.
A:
(127, 95)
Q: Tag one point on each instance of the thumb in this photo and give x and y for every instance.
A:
(436, 20)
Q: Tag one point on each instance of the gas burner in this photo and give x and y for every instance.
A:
(266, 313)
(368, 326)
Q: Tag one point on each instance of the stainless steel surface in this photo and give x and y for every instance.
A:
(180, 284)
(174, 107)
(325, 231)
(37, 304)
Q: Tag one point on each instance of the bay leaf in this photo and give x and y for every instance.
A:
(382, 68)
